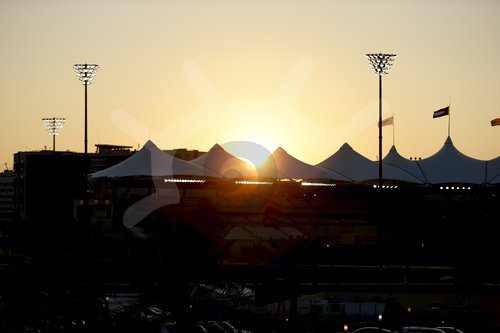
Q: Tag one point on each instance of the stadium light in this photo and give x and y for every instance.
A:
(54, 126)
(85, 73)
(381, 64)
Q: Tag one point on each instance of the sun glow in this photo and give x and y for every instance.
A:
(249, 151)
(246, 160)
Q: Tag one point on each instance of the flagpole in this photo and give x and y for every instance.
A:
(393, 137)
(449, 117)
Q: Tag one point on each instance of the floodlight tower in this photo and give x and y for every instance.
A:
(381, 64)
(85, 74)
(54, 126)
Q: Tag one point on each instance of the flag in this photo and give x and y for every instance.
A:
(495, 122)
(388, 121)
(441, 112)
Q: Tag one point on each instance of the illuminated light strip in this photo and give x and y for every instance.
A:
(174, 180)
(316, 184)
(454, 188)
(386, 186)
(249, 182)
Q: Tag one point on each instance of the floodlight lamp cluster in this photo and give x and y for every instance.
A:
(54, 125)
(381, 63)
(85, 72)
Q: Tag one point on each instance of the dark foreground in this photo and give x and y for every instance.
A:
(345, 256)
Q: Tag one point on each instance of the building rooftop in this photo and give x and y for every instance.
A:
(107, 148)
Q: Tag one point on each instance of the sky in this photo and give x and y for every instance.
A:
(189, 74)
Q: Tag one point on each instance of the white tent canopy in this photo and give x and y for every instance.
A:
(282, 165)
(449, 165)
(224, 164)
(394, 159)
(151, 161)
(493, 171)
(349, 163)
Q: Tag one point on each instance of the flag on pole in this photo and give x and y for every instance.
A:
(388, 121)
(441, 112)
(495, 122)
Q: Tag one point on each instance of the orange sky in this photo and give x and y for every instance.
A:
(278, 73)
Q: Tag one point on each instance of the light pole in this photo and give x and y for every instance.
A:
(54, 126)
(381, 64)
(86, 74)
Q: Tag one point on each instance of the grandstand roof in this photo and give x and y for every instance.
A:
(352, 165)
(151, 161)
(282, 165)
(394, 159)
(224, 164)
(448, 165)
(493, 171)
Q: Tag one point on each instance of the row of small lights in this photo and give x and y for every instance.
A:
(241, 182)
(385, 186)
(454, 188)
(250, 182)
(174, 180)
(317, 184)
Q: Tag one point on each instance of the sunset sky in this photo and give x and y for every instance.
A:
(189, 74)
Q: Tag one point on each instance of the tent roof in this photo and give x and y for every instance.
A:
(394, 159)
(349, 163)
(151, 161)
(282, 165)
(449, 165)
(493, 171)
(224, 164)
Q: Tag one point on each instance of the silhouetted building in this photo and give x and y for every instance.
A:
(53, 184)
(6, 195)
(105, 149)
(108, 155)
(185, 154)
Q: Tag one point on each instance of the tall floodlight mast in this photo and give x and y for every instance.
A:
(86, 73)
(54, 127)
(381, 64)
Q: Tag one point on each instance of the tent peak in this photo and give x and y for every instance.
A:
(216, 147)
(280, 150)
(448, 141)
(149, 144)
(345, 146)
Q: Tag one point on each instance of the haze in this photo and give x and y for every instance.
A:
(189, 74)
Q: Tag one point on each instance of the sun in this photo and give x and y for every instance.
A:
(251, 166)
(251, 149)
(254, 157)
(255, 160)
